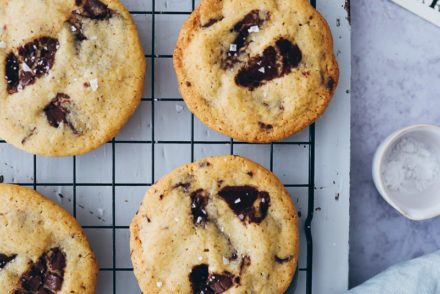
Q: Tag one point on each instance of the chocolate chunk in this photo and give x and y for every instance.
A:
(241, 200)
(36, 59)
(291, 55)
(275, 62)
(251, 174)
(4, 259)
(220, 283)
(32, 280)
(26, 78)
(56, 259)
(199, 200)
(56, 110)
(53, 281)
(264, 126)
(259, 69)
(212, 21)
(46, 60)
(95, 9)
(45, 275)
(78, 2)
(29, 53)
(11, 73)
(283, 260)
(243, 28)
(204, 282)
(199, 278)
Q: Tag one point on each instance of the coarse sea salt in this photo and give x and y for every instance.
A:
(94, 84)
(2, 44)
(254, 29)
(411, 166)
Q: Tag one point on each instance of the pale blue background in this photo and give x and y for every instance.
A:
(396, 82)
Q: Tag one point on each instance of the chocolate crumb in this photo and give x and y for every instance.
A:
(264, 126)
(212, 21)
(283, 260)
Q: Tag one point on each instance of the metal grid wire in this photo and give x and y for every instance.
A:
(192, 142)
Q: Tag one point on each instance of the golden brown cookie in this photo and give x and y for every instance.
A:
(72, 73)
(220, 225)
(43, 249)
(256, 70)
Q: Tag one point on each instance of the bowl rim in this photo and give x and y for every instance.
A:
(384, 147)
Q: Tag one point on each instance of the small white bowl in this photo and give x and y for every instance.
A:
(425, 204)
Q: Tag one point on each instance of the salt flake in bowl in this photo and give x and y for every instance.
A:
(406, 171)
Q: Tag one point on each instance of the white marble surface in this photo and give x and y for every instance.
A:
(396, 70)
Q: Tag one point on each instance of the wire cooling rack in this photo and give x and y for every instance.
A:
(104, 188)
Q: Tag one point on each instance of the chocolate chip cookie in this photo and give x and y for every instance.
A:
(220, 225)
(42, 248)
(257, 71)
(71, 73)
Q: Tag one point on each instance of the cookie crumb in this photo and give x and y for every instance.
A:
(94, 84)
(179, 108)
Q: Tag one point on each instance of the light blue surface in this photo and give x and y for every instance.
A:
(395, 80)
(418, 276)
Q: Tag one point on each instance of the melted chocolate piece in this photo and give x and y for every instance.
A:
(252, 19)
(11, 73)
(282, 260)
(199, 200)
(4, 259)
(36, 59)
(56, 110)
(275, 62)
(95, 9)
(53, 281)
(45, 275)
(56, 259)
(212, 21)
(264, 126)
(241, 200)
(220, 283)
(204, 282)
